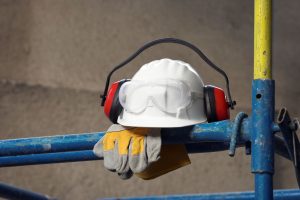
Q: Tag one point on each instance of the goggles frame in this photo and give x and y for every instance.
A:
(187, 96)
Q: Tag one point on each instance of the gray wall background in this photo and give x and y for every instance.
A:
(55, 55)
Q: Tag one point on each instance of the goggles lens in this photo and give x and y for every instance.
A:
(167, 95)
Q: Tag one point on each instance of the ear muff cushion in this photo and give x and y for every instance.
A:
(209, 100)
(221, 105)
(112, 106)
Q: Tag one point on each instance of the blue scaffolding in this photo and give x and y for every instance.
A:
(256, 132)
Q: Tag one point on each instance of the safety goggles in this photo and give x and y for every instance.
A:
(167, 95)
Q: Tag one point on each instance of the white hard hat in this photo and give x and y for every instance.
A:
(163, 93)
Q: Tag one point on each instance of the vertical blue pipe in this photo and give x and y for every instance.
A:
(263, 137)
(263, 186)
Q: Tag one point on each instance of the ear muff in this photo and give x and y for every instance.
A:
(216, 106)
(112, 106)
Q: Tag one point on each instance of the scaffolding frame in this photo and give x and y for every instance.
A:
(257, 133)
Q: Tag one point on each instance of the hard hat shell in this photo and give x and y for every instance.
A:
(154, 117)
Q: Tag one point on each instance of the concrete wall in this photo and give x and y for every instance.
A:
(55, 55)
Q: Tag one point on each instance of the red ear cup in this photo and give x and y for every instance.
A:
(222, 107)
(216, 105)
(112, 106)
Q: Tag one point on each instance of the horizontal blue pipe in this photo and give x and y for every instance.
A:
(49, 144)
(47, 158)
(278, 195)
(15, 193)
(86, 155)
(217, 132)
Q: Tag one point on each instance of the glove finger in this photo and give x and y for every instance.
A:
(111, 158)
(126, 175)
(153, 145)
(137, 155)
(98, 148)
(122, 165)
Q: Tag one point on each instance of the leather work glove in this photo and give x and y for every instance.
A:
(128, 150)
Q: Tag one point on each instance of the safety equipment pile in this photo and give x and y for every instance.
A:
(162, 94)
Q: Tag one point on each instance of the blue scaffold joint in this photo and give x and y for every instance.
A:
(236, 129)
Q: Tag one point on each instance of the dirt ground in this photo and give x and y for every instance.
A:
(55, 56)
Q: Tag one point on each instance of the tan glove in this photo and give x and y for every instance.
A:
(172, 157)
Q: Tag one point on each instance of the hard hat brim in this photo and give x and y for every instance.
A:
(159, 122)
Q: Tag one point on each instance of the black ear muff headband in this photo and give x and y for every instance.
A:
(231, 103)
